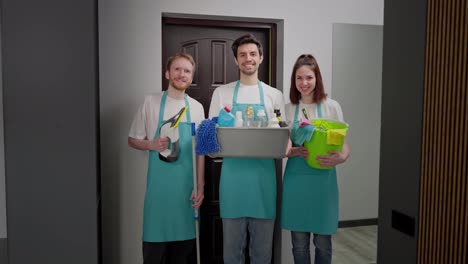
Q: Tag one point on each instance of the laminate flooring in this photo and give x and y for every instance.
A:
(355, 245)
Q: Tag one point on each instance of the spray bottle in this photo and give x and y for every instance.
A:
(226, 118)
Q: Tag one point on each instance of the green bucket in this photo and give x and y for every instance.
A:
(328, 135)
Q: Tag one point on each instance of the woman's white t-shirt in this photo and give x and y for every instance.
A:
(330, 110)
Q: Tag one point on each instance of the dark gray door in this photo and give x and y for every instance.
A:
(210, 45)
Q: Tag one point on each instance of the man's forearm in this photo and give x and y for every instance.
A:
(140, 144)
(200, 171)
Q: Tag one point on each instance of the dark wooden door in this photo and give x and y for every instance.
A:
(210, 46)
(211, 49)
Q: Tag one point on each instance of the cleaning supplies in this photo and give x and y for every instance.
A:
(273, 122)
(303, 133)
(206, 138)
(278, 114)
(195, 193)
(304, 112)
(249, 116)
(239, 121)
(170, 129)
(262, 120)
(281, 122)
(226, 118)
(328, 135)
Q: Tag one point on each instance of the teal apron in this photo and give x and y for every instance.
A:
(168, 214)
(248, 185)
(310, 196)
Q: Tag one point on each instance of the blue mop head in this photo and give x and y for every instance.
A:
(207, 142)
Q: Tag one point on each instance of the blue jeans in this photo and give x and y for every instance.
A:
(235, 240)
(301, 245)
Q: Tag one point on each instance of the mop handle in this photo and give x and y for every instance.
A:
(195, 191)
(194, 167)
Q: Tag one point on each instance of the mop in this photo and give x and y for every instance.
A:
(195, 192)
(207, 141)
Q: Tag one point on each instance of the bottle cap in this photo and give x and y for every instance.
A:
(227, 109)
(277, 112)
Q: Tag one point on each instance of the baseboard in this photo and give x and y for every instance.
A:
(358, 222)
(3, 250)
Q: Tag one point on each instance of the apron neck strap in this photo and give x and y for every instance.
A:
(296, 112)
(319, 111)
(236, 91)
(163, 106)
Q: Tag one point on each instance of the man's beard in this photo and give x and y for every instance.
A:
(180, 88)
(250, 72)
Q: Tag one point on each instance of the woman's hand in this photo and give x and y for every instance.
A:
(298, 151)
(334, 159)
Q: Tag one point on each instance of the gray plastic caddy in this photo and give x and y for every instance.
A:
(252, 142)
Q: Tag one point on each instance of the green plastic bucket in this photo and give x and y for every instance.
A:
(328, 135)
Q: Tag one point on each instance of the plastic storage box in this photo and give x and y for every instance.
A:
(248, 142)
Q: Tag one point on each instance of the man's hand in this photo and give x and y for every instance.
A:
(160, 144)
(197, 201)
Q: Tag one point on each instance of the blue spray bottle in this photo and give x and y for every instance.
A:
(226, 118)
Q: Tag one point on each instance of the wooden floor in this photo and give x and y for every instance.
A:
(355, 245)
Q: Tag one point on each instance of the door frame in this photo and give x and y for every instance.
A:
(276, 28)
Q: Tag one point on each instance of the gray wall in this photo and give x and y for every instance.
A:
(357, 86)
(50, 100)
(402, 102)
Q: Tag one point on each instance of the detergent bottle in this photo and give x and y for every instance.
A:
(226, 118)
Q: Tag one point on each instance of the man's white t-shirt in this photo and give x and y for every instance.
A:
(247, 94)
(146, 120)
(331, 109)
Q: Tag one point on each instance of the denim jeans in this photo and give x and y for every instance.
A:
(301, 245)
(235, 240)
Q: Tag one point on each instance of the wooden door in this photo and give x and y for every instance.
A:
(209, 42)
(211, 48)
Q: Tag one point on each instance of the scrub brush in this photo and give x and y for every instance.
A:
(207, 141)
